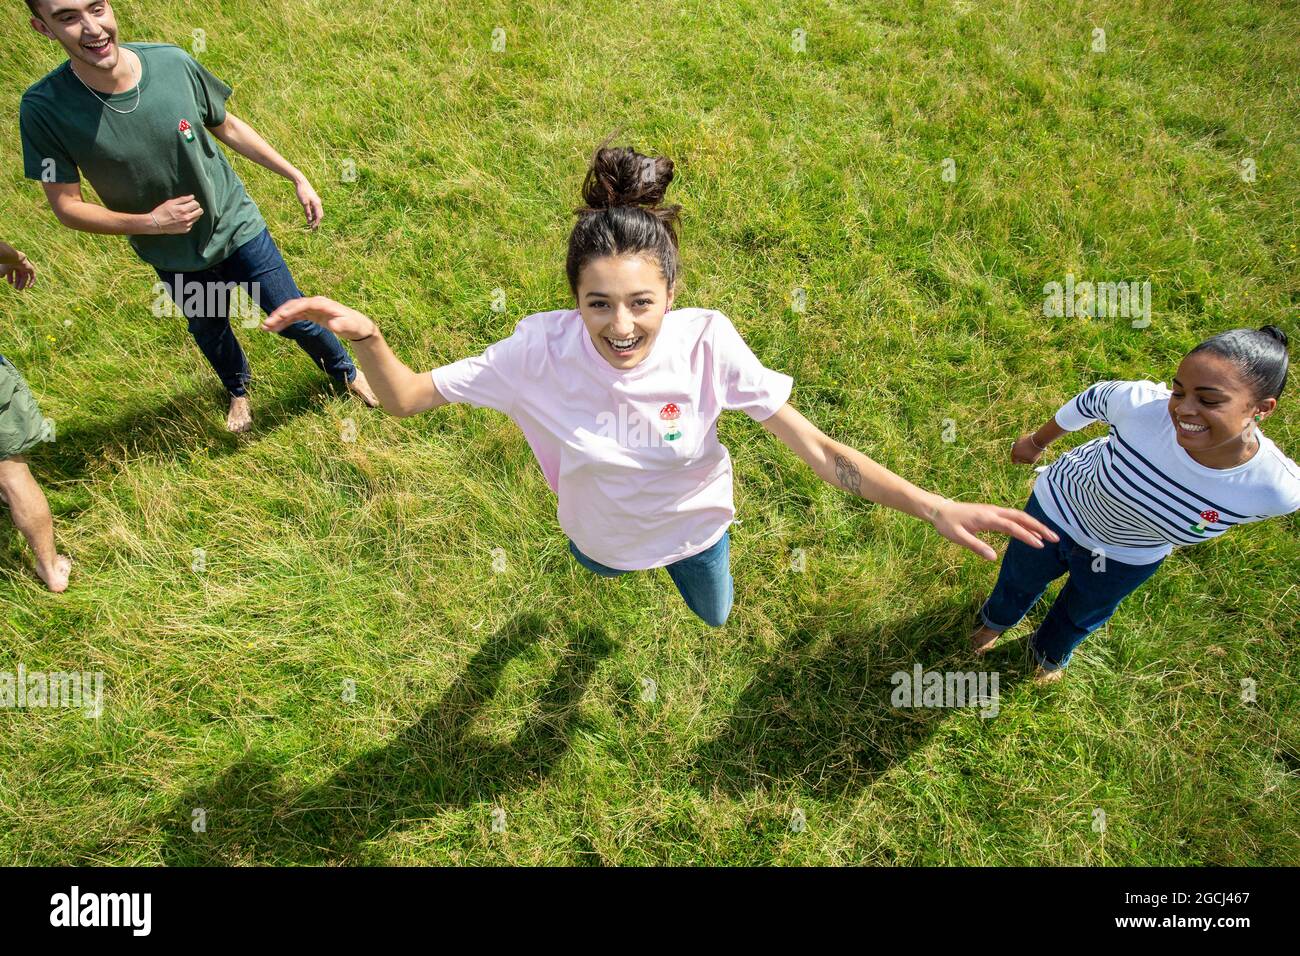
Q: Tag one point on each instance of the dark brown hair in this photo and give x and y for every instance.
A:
(623, 212)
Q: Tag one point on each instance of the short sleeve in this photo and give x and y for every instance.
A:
(44, 158)
(1288, 483)
(1108, 402)
(744, 383)
(210, 92)
(488, 380)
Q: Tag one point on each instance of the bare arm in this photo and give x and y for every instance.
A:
(848, 469)
(246, 141)
(173, 217)
(401, 391)
(71, 209)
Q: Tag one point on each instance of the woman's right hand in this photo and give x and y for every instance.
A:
(1024, 451)
(344, 322)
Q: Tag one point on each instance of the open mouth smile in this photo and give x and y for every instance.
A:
(624, 346)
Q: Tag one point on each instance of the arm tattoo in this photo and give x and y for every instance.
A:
(848, 474)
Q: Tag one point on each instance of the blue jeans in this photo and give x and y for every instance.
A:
(1096, 586)
(704, 580)
(257, 260)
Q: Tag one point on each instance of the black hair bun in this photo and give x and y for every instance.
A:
(1275, 332)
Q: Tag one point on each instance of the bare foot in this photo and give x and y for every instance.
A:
(56, 575)
(1043, 676)
(240, 417)
(983, 638)
(361, 388)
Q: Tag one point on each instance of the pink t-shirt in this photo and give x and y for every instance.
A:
(633, 456)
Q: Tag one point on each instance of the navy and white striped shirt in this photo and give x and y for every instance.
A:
(1136, 494)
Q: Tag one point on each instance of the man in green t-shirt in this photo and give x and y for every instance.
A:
(131, 119)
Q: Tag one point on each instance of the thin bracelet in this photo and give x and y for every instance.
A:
(1030, 436)
(155, 222)
(364, 337)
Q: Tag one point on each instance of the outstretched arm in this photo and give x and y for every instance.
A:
(401, 391)
(854, 472)
(246, 141)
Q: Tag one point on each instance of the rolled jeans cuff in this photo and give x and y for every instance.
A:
(993, 625)
(1041, 661)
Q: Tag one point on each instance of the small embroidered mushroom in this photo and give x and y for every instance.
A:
(670, 413)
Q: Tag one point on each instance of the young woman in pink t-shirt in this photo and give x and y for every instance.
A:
(619, 399)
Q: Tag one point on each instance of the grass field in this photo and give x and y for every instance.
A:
(327, 561)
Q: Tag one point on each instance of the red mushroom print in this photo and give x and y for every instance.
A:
(1208, 517)
(184, 129)
(670, 413)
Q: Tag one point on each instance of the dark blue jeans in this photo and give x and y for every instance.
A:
(703, 580)
(1096, 586)
(256, 261)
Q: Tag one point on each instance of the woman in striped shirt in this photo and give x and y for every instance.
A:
(1178, 467)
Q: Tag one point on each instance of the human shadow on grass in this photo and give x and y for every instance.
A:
(173, 429)
(436, 764)
(819, 713)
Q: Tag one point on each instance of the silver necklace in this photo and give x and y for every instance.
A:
(104, 101)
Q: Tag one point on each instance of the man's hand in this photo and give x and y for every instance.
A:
(21, 274)
(311, 204)
(1024, 451)
(959, 522)
(177, 216)
(344, 322)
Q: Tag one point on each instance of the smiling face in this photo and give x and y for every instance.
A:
(86, 29)
(1213, 410)
(623, 300)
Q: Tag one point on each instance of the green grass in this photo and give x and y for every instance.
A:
(371, 561)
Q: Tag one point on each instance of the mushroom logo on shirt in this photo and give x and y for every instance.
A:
(670, 413)
(184, 129)
(1208, 517)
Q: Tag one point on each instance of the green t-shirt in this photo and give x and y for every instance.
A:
(142, 158)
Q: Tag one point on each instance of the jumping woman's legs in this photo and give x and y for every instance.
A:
(594, 566)
(703, 580)
(705, 583)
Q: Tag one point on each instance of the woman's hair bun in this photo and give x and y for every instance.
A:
(1275, 332)
(624, 212)
(620, 176)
